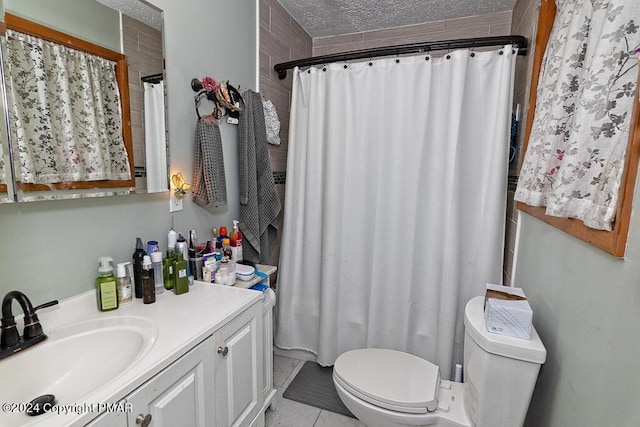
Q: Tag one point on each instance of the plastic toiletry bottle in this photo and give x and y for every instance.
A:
(148, 282)
(125, 292)
(235, 239)
(226, 248)
(152, 246)
(182, 248)
(172, 238)
(223, 234)
(167, 270)
(195, 259)
(209, 267)
(158, 275)
(106, 285)
(180, 277)
(137, 267)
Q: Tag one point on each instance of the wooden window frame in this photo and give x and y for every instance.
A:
(613, 242)
(3, 187)
(28, 27)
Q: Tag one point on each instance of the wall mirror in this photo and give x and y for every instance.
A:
(6, 182)
(84, 84)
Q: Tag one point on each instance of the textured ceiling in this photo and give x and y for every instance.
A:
(139, 10)
(332, 17)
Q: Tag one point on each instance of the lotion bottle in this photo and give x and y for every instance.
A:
(125, 293)
(181, 248)
(167, 270)
(180, 277)
(106, 285)
(236, 242)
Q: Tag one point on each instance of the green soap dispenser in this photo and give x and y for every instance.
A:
(106, 285)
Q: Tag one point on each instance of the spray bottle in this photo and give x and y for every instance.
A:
(106, 285)
(138, 256)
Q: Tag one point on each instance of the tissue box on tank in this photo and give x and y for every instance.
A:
(507, 311)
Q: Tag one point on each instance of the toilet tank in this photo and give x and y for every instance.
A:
(500, 372)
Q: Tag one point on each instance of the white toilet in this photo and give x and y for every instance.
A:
(390, 388)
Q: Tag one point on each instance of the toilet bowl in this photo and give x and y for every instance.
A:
(384, 387)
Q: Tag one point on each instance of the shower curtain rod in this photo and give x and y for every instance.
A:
(153, 78)
(518, 41)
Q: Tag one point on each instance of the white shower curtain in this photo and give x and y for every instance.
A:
(395, 202)
(155, 138)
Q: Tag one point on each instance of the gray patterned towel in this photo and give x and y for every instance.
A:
(209, 183)
(259, 201)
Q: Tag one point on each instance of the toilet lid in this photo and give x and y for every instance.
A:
(390, 379)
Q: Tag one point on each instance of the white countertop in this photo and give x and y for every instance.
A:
(182, 321)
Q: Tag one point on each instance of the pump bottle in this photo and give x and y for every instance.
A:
(106, 285)
(125, 295)
(235, 239)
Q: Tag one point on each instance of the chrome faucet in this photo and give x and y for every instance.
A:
(10, 340)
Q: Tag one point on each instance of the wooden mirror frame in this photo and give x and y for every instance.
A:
(28, 27)
(614, 241)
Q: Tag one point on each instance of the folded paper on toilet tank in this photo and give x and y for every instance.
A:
(507, 311)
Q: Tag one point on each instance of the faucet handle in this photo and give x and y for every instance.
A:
(45, 305)
(10, 336)
(32, 326)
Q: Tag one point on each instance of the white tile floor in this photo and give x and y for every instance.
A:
(289, 413)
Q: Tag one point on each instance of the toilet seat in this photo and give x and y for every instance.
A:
(389, 379)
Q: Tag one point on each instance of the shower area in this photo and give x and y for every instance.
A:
(282, 39)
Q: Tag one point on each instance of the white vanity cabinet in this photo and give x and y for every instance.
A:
(238, 370)
(196, 359)
(217, 383)
(178, 396)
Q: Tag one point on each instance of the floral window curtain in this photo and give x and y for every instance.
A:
(65, 113)
(575, 156)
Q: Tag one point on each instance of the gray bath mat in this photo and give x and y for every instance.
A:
(313, 385)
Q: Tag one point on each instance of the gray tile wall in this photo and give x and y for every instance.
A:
(143, 47)
(282, 39)
(524, 22)
(494, 24)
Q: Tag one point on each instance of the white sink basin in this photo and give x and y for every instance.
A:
(76, 360)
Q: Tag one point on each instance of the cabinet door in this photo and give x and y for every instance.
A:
(267, 345)
(179, 395)
(238, 369)
(110, 419)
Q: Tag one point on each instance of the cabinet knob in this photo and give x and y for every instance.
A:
(223, 350)
(143, 420)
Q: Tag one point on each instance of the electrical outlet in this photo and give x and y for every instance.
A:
(175, 203)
